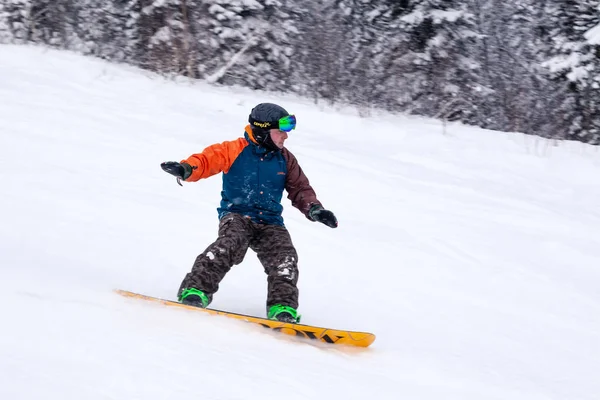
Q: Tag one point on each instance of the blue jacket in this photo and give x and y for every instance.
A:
(254, 179)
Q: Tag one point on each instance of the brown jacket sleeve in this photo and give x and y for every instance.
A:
(300, 192)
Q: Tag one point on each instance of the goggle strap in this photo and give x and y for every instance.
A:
(262, 125)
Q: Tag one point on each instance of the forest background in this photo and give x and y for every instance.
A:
(530, 66)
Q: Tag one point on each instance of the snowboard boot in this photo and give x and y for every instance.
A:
(194, 297)
(282, 313)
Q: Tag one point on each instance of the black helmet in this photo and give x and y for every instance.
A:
(266, 115)
(262, 118)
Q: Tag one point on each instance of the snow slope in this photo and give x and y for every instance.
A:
(473, 255)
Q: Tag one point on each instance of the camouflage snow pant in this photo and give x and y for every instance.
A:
(273, 246)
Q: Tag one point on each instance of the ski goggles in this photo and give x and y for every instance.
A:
(285, 124)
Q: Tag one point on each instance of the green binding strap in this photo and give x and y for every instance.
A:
(277, 309)
(192, 291)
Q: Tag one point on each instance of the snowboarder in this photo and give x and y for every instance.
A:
(256, 168)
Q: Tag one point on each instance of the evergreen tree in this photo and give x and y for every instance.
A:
(164, 35)
(437, 57)
(366, 30)
(6, 35)
(132, 32)
(526, 65)
(98, 28)
(575, 62)
(45, 21)
(270, 60)
(251, 42)
(318, 71)
(18, 19)
(508, 46)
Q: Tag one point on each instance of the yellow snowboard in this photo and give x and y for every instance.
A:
(333, 336)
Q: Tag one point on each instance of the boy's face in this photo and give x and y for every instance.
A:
(278, 137)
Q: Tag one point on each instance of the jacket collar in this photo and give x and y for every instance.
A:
(256, 148)
(249, 136)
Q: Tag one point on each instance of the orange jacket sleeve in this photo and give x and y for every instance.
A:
(214, 159)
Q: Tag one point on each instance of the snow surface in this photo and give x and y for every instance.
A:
(473, 255)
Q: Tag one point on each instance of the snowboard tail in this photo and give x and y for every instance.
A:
(332, 336)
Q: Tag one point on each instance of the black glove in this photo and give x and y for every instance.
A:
(180, 170)
(319, 214)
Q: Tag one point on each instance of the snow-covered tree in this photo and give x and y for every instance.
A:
(6, 35)
(18, 13)
(269, 61)
(525, 65)
(317, 70)
(575, 61)
(592, 37)
(45, 21)
(250, 42)
(164, 35)
(97, 28)
(508, 90)
(131, 32)
(365, 33)
(229, 28)
(436, 57)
